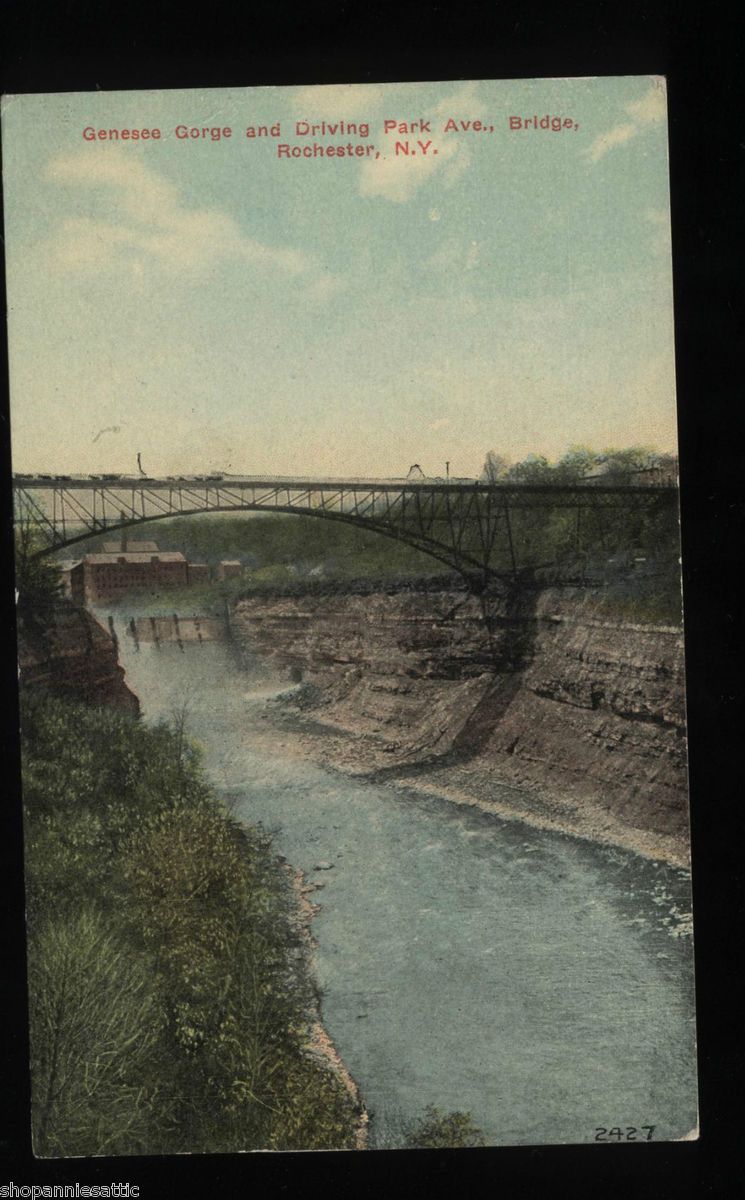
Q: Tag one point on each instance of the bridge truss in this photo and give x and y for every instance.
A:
(484, 531)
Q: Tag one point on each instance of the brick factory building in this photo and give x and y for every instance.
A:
(199, 573)
(137, 566)
(229, 569)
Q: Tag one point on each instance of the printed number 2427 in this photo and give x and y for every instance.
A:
(630, 1133)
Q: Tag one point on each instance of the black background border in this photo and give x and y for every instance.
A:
(84, 45)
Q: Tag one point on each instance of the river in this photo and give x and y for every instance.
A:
(542, 983)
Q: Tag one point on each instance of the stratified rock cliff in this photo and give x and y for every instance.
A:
(71, 654)
(536, 691)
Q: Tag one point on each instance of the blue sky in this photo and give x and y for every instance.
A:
(215, 307)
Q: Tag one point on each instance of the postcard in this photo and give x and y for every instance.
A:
(350, 631)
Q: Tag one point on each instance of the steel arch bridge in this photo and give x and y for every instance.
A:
(464, 524)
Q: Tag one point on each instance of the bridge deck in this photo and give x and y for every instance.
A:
(316, 483)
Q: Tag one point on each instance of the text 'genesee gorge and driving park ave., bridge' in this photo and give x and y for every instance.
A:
(483, 530)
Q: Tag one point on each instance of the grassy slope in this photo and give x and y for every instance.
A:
(168, 1010)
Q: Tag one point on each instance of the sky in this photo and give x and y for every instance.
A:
(217, 308)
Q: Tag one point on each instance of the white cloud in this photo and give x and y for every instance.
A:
(649, 110)
(617, 136)
(142, 193)
(465, 103)
(152, 225)
(652, 107)
(397, 177)
(337, 101)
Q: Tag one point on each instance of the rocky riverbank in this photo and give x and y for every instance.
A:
(320, 1045)
(74, 656)
(539, 707)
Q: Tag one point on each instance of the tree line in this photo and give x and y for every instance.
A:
(633, 464)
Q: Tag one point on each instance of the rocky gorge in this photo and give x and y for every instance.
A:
(537, 705)
(73, 655)
(396, 745)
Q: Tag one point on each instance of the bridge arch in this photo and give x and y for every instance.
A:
(468, 567)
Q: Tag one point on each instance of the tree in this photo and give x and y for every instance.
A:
(534, 469)
(495, 467)
(578, 462)
(440, 1130)
(38, 579)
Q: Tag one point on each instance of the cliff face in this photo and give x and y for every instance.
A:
(537, 693)
(74, 656)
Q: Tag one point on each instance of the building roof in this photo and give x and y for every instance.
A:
(230, 562)
(132, 548)
(163, 556)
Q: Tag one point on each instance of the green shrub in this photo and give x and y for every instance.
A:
(38, 579)
(95, 1039)
(440, 1130)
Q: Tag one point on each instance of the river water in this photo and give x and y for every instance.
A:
(542, 983)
